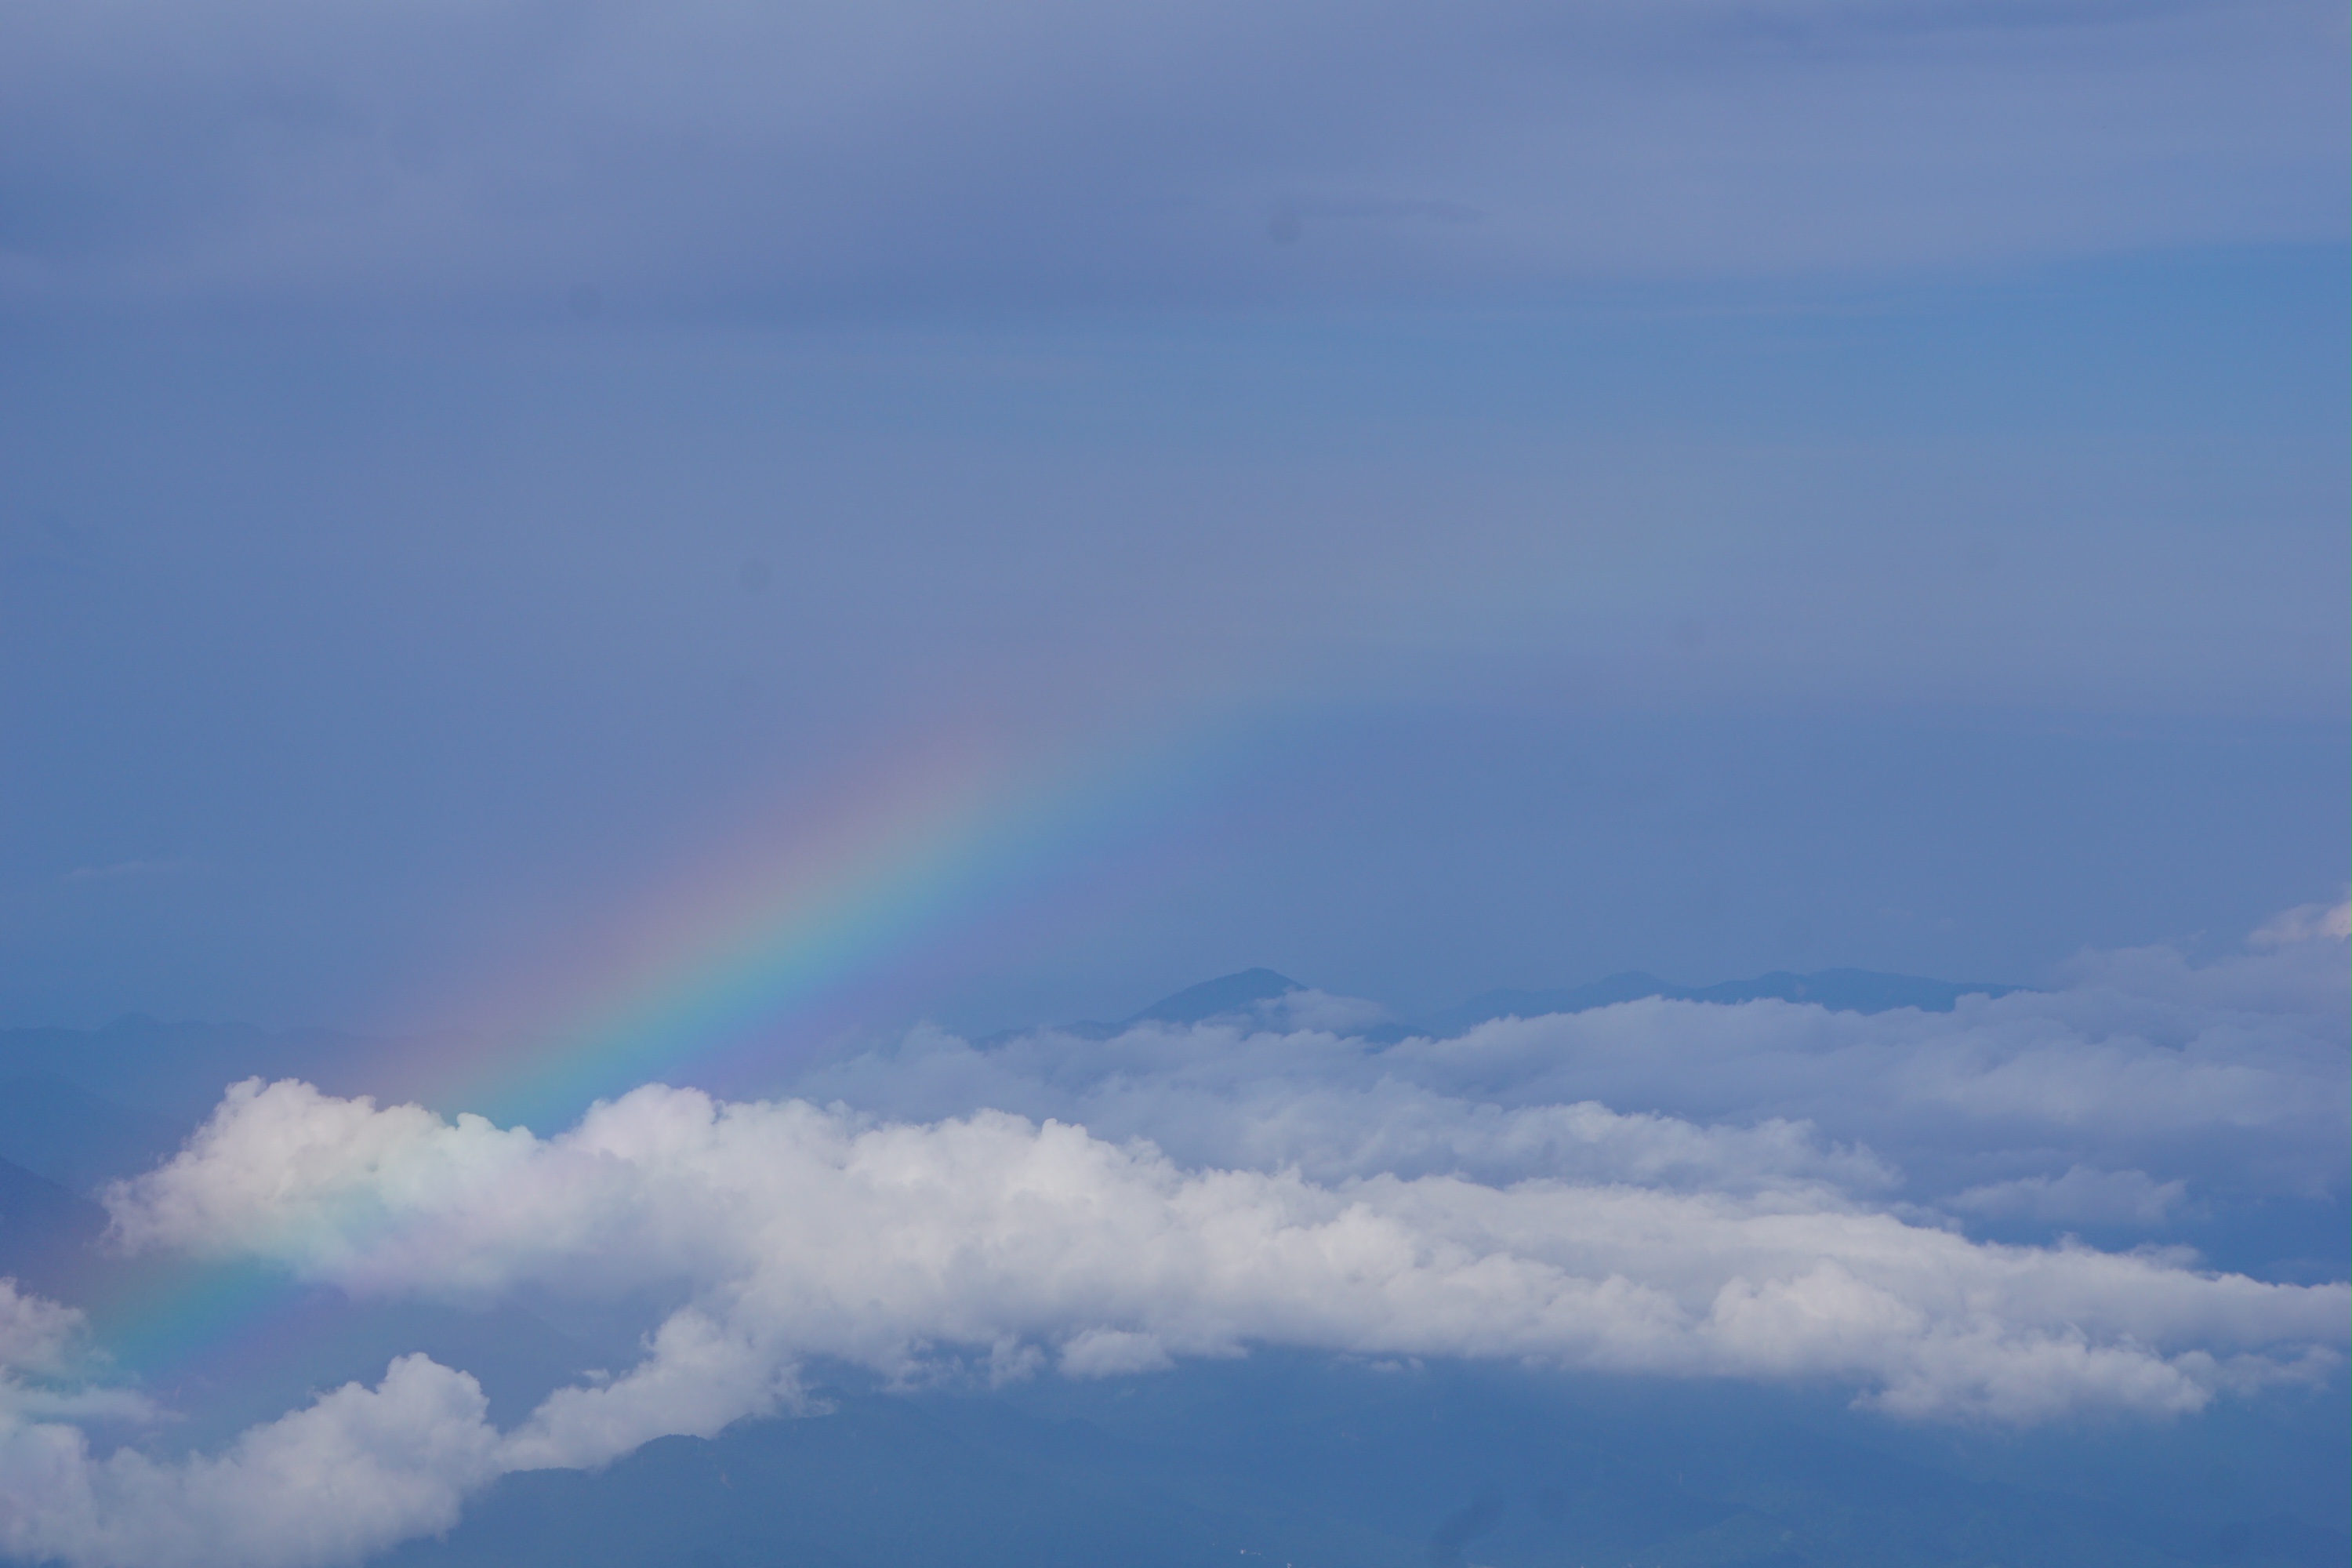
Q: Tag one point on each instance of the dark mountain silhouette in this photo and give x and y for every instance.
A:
(174, 1072)
(1839, 990)
(82, 1107)
(1194, 1005)
(1215, 998)
(1289, 1458)
(61, 1131)
(49, 1234)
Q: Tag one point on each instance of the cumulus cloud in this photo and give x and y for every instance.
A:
(356, 1471)
(1058, 1206)
(812, 1232)
(35, 1334)
(49, 1369)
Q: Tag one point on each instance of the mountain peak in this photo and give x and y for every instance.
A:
(1227, 994)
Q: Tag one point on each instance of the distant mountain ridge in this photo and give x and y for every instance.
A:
(80, 1106)
(61, 1131)
(146, 1071)
(1838, 990)
(1283, 1457)
(1226, 995)
(47, 1233)
(1213, 998)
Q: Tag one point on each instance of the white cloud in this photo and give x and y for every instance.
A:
(1230, 1092)
(2229, 1075)
(49, 1370)
(1255, 1181)
(699, 1375)
(1320, 1011)
(356, 1471)
(2304, 923)
(36, 1336)
(1108, 1353)
(352, 1473)
(805, 1232)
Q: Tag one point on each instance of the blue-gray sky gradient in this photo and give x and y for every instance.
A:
(1629, 461)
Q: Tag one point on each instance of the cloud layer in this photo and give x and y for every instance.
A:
(2142, 1069)
(946, 151)
(1053, 1206)
(812, 1232)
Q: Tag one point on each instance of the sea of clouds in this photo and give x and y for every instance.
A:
(1767, 1191)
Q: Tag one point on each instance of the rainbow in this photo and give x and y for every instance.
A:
(809, 914)
(802, 909)
(806, 908)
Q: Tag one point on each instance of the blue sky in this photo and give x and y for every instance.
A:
(346, 638)
(398, 397)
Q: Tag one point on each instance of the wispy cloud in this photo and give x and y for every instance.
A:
(125, 870)
(684, 153)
